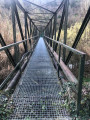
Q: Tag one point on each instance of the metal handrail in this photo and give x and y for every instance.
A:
(67, 47)
(81, 68)
(17, 43)
(18, 64)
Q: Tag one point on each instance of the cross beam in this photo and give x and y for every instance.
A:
(39, 6)
(39, 19)
(60, 6)
(38, 13)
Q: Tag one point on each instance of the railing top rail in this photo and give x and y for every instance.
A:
(17, 43)
(67, 47)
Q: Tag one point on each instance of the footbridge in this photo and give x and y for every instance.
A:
(38, 77)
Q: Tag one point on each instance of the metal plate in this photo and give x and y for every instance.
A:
(37, 96)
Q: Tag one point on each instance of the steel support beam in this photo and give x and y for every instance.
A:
(65, 28)
(40, 19)
(20, 6)
(60, 26)
(39, 6)
(19, 24)
(25, 17)
(55, 28)
(30, 27)
(81, 74)
(7, 51)
(39, 13)
(61, 5)
(16, 48)
(81, 30)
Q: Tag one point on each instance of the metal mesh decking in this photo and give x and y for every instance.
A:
(37, 95)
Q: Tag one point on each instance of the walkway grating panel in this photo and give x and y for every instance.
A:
(37, 96)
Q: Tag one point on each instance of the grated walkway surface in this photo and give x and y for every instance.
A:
(37, 96)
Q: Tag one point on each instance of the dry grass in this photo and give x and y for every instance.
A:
(6, 30)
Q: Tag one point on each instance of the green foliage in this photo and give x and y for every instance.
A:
(5, 110)
(59, 16)
(72, 32)
(71, 102)
(86, 79)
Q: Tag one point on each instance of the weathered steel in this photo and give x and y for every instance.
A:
(10, 76)
(81, 30)
(17, 43)
(25, 17)
(52, 29)
(30, 27)
(60, 26)
(69, 75)
(39, 6)
(43, 5)
(65, 28)
(75, 51)
(7, 51)
(20, 6)
(50, 33)
(19, 24)
(38, 93)
(39, 13)
(28, 31)
(55, 28)
(16, 48)
(16, 78)
(28, 34)
(61, 5)
(81, 74)
(59, 56)
(18, 64)
(40, 19)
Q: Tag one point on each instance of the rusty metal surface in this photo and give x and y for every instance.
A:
(37, 96)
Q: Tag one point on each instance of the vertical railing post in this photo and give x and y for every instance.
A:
(60, 26)
(25, 16)
(51, 32)
(59, 55)
(65, 28)
(55, 29)
(81, 73)
(55, 25)
(30, 28)
(16, 48)
(48, 33)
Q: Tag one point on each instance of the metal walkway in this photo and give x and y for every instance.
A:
(37, 96)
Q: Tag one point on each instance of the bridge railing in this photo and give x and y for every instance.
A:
(21, 62)
(61, 66)
(53, 31)
(28, 33)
